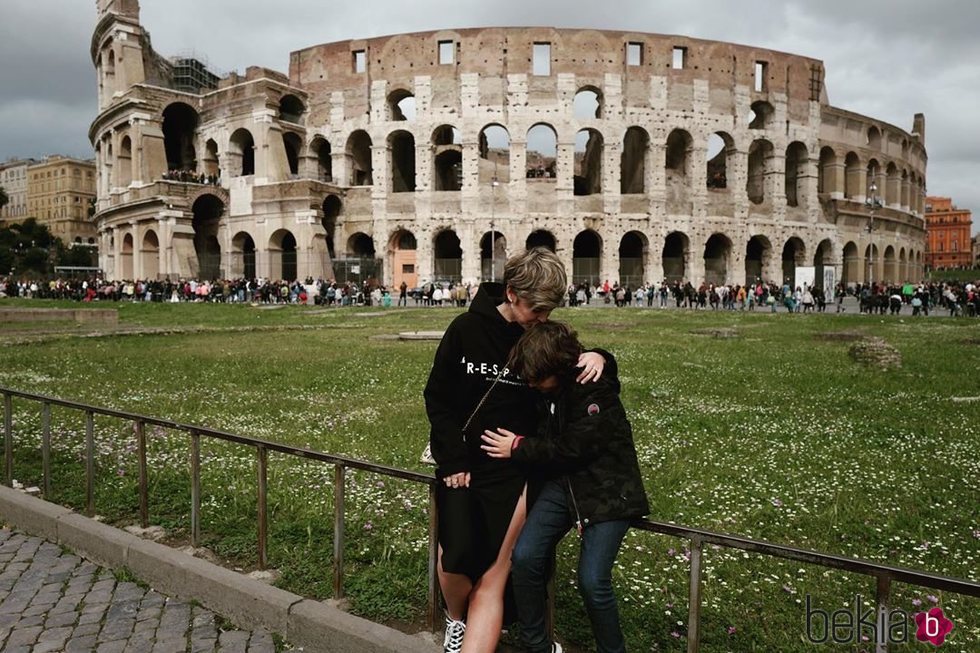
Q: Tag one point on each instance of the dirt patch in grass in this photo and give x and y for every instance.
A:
(875, 352)
(839, 336)
(717, 332)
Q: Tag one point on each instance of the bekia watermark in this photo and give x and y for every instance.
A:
(861, 622)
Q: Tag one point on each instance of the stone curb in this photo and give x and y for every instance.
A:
(313, 625)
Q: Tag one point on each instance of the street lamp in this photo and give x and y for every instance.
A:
(493, 215)
(873, 202)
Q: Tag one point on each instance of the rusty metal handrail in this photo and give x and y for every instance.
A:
(885, 575)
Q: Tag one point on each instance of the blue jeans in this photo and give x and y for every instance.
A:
(549, 520)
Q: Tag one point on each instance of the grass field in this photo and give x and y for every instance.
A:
(775, 433)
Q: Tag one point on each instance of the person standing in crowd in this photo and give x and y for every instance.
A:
(587, 465)
(481, 500)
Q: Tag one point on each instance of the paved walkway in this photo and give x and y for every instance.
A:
(53, 600)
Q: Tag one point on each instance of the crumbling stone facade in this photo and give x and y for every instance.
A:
(637, 157)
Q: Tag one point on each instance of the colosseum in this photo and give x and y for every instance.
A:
(432, 156)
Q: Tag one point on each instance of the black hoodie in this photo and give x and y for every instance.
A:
(473, 350)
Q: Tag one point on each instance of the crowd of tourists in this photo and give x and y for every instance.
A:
(191, 177)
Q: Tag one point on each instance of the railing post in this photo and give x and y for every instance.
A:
(140, 428)
(883, 590)
(89, 463)
(338, 531)
(195, 489)
(263, 468)
(8, 440)
(694, 601)
(46, 448)
(433, 602)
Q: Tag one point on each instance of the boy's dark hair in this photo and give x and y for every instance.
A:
(546, 349)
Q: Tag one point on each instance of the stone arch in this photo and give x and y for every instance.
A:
(762, 114)
(906, 190)
(208, 210)
(717, 259)
(320, 147)
(586, 257)
(403, 258)
(447, 159)
(211, 165)
(890, 271)
(401, 105)
(893, 185)
(291, 108)
(541, 238)
(903, 267)
(180, 122)
(852, 176)
(827, 181)
(542, 152)
(332, 207)
(822, 259)
(283, 255)
(358, 152)
(633, 249)
(125, 161)
(494, 154)
(675, 256)
(851, 264)
(401, 146)
(587, 103)
(492, 260)
(721, 150)
(293, 145)
(588, 162)
(760, 163)
(797, 160)
(241, 153)
(360, 245)
(874, 138)
(794, 255)
(447, 256)
(632, 161)
(243, 255)
(873, 172)
(758, 259)
(126, 256)
(677, 164)
(150, 254)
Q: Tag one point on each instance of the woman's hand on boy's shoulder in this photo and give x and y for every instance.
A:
(592, 364)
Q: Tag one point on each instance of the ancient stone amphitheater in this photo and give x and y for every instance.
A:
(432, 156)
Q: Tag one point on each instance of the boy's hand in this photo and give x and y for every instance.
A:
(592, 363)
(499, 443)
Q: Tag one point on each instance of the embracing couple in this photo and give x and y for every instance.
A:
(530, 440)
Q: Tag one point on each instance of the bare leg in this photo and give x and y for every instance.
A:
(486, 614)
(456, 590)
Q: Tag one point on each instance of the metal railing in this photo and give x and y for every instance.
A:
(884, 575)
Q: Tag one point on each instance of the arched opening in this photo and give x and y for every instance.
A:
(760, 157)
(542, 152)
(110, 68)
(401, 145)
(632, 259)
(243, 255)
(851, 264)
(291, 109)
(447, 257)
(241, 153)
(891, 271)
(587, 103)
(324, 159)
(293, 144)
(211, 168)
(360, 245)
(359, 154)
(588, 162)
(758, 252)
(874, 138)
(541, 238)
(677, 164)
(721, 147)
(632, 175)
(331, 210)
(717, 255)
(762, 115)
(676, 250)
(150, 255)
(127, 257)
(447, 159)
(401, 105)
(403, 257)
(893, 185)
(125, 162)
(852, 176)
(282, 255)
(586, 257)
(906, 190)
(903, 267)
(180, 123)
(797, 159)
(874, 171)
(823, 262)
(494, 154)
(208, 211)
(794, 254)
(826, 182)
(492, 261)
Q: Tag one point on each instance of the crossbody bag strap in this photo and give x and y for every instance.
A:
(482, 401)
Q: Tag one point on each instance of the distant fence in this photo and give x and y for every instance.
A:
(884, 575)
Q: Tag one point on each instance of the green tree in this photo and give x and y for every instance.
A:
(4, 198)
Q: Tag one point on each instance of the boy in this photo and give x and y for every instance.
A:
(591, 479)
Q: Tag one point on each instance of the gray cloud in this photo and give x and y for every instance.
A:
(887, 59)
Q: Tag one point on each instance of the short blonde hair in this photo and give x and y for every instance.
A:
(537, 276)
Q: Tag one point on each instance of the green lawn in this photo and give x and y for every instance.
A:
(773, 434)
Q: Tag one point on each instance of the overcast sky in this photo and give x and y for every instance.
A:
(885, 59)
